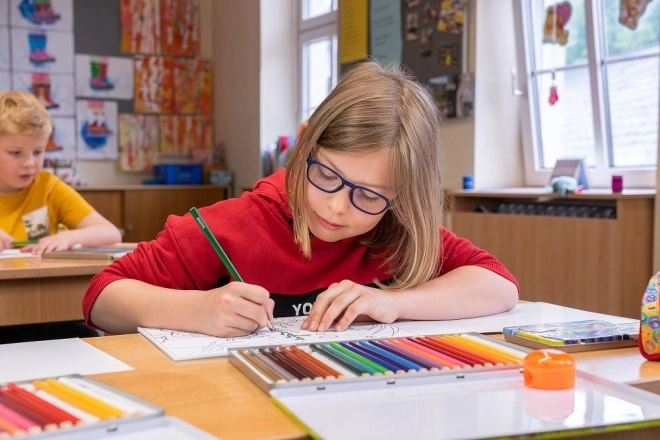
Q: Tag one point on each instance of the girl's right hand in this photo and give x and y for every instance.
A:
(5, 240)
(236, 309)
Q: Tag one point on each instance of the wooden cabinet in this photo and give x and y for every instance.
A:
(600, 264)
(141, 211)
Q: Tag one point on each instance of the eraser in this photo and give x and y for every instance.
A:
(549, 369)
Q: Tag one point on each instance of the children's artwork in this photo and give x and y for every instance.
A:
(45, 51)
(180, 27)
(180, 135)
(55, 91)
(554, 27)
(4, 49)
(412, 26)
(154, 81)
(140, 26)
(138, 142)
(630, 11)
(97, 129)
(62, 144)
(426, 42)
(5, 81)
(104, 77)
(452, 16)
(47, 14)
(180, 345)
(192, 86)
(448, 54)
(4, 12)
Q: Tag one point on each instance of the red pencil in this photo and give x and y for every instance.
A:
(56, 414)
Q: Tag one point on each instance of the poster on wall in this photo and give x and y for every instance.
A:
(180, 135)
(62, 144)
(140, 26)
(46, 14)
(180, 24)
(385, 31)
(54, 90)
(47, 51)
(4, 12)
(353, 32)
(97, 129)
(154, 81)
(138, 142)
(5, 81)
(192, 86)
(4, 49)
(104, 77)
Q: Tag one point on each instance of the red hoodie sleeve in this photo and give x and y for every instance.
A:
(458, 252)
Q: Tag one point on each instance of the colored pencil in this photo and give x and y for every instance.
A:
(466, 359)
(73, 399)
(345, 361)
(497, 356)
(368, 363)
(53, 409)
(304, 368)
(403, 363)
(331, 363)
(87, 398)
(28, 413)
(415, 348)
(84, 416)
(23, 243)
(274, 366)
(324, 367)
(306, 360)
(440, 344)
(517, 354)
(263, 368)
(49, 419)
(118, 401)
(424, 364)
(218, 250)
(277, 358)
(374, 357)
(482, 345)
(19, 420)
(9, 426)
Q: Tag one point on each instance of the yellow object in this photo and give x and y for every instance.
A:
(36, 211)
(80, 400)
(549, 369)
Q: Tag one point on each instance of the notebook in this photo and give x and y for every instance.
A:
(575, 336)
(91, 253)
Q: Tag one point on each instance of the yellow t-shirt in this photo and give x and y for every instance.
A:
(36, 211)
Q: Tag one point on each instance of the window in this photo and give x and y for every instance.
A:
(317, 37)
(591, 84)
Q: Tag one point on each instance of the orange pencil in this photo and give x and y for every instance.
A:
(423, 351)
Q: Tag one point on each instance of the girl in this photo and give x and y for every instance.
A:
(351, 230)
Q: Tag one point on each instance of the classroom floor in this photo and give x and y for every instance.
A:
(41, 332)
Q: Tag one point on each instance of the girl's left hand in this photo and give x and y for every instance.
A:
(51, 243)
(346, 301)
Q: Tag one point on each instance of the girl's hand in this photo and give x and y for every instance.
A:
(5, 240)
(347, 301)
(236, 309)
(52, 243)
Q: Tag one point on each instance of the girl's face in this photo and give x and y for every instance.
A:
(332, 216)
(21, 159)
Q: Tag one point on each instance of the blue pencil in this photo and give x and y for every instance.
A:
(369, 355)
(412, 357)
(404, 364)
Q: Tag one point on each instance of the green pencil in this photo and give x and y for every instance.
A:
(23, 243)
(218, 249)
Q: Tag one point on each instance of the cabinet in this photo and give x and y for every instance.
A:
(141, 210)
(600, 262)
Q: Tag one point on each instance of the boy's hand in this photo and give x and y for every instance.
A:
(52, 243)
(348, 301)
(5, 240)
(236, 309)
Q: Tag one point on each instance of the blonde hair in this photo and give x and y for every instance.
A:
(22, 113)
(376, 107)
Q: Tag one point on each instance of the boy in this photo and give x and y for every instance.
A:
(33, 201)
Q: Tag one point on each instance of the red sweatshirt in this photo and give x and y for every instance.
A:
(256, 233)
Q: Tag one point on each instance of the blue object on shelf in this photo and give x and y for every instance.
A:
(179, 174)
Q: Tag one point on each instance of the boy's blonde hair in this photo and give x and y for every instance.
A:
(22, 113)
(375, 107)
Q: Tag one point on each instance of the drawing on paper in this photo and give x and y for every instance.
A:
(153, 84)
(140, 26)
(138, 142)
(180, 345)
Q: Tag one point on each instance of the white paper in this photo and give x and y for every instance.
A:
(58, 45)
(15, 253)
(59, 17)
(58, 357)
(5, 57)
(179, 345)
(92, 145)
(118, 77)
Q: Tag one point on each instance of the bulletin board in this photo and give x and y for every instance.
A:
(121, 79)
(426, 36)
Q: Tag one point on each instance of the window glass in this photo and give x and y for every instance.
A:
(315, 8)
(560, 33)
(643, 34)
(319, 68)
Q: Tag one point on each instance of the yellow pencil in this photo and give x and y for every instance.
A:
(78, 399)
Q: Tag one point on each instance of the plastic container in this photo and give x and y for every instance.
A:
(179, 174)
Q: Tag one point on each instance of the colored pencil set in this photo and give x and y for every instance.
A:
(66, 402)
(375, 357)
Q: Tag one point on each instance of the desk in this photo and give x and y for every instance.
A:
(216, 397)
(33, 290)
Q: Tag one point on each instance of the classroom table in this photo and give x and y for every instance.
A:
(214, 396)
(35, 290)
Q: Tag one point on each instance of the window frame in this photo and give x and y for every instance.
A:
(309, 30)
(524, 86)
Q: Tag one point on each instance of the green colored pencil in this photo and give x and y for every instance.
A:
(218, 249)
(23, 243)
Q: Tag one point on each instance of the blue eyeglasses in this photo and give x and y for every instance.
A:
(328, 180)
